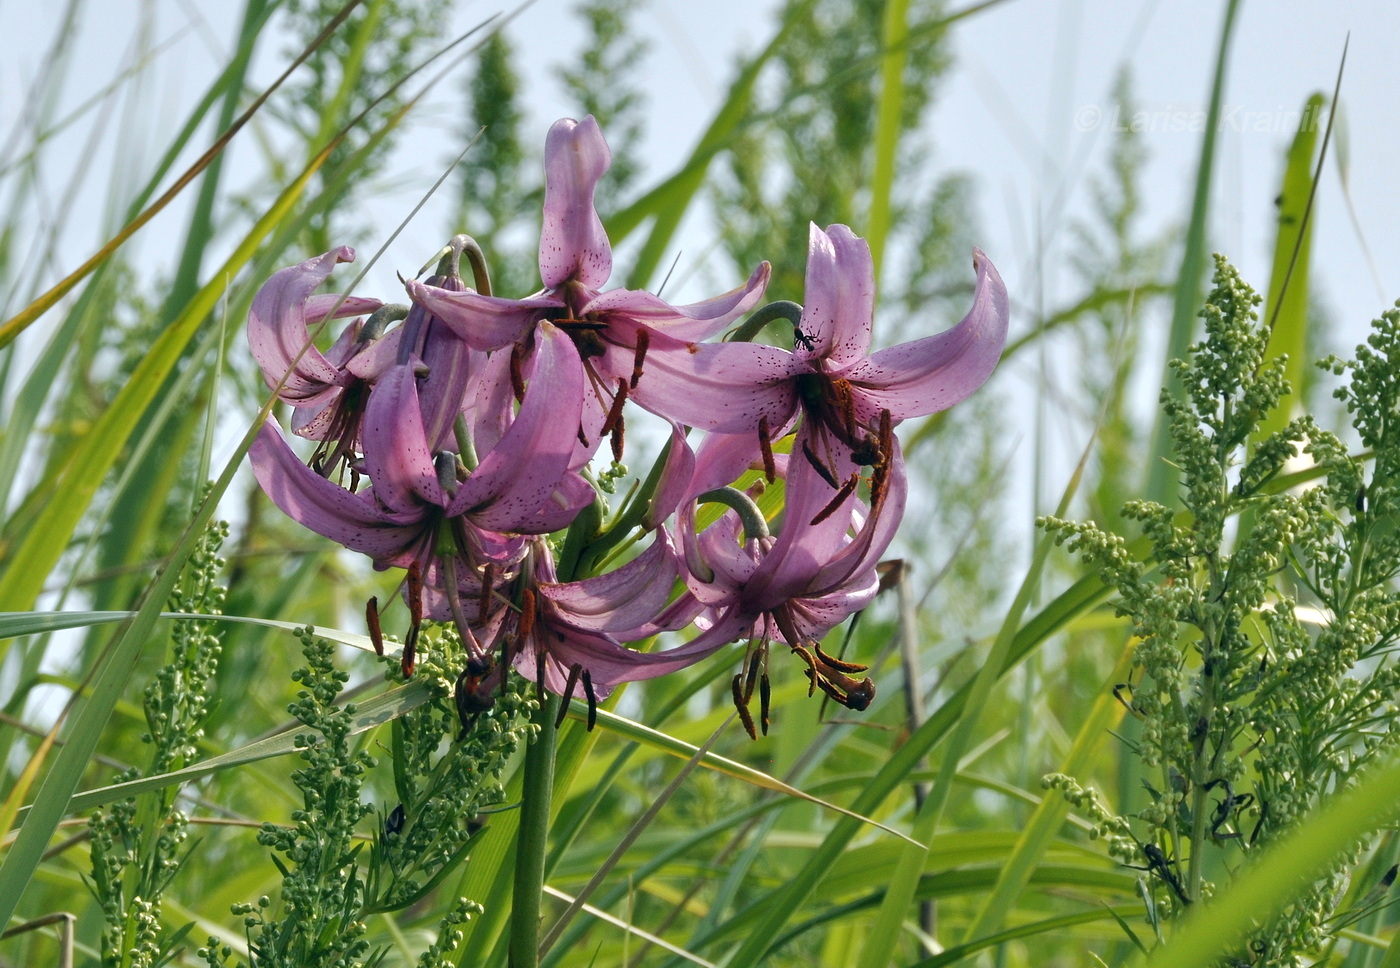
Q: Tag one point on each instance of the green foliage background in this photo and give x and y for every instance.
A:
(121, 395)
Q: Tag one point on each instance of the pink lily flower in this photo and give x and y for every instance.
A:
(830, 377)
(328, 391)
(795, 587)
(565, 635)
(611, 330)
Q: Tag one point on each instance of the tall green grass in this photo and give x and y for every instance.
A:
(884, 838)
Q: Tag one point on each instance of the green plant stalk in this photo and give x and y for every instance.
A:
(533, 842)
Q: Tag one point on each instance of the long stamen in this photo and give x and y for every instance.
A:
(575, 671)
(592, 700)
(415, 613)
(765, 444)
(818, 466)
(459, 616)
(376, 634)
(614, 422)
(643, 341)
(812, 676)
(841, 495)
(527, 615)
(741, 705)
(837, 664)
(517, 373)
(488, 583)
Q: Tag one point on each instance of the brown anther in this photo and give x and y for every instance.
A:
(615, 411)
(617, 440)
(592, 700)
(755, 663)
(574, 671)
(582, 438)
(891, 572)
(765, 693)
(415, 593)
(818, 466)
(539, 677)
(376, 634)
(527, 615)
(802, 653)
(847, 400)
(614, 424)
(517, 374)
(639, 357)
(844, 492)
(410, 651)
(741, 705)
(837, 664)
(852, 693)
(765, 444)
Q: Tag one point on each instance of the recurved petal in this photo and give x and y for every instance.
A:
(573, 244)
(725, 388)
(523, 472)
(396, 450)
(624, 598)
(674, 482)
(326, 508)
(694, 322)
(482, 322)
(277, 326)
(925, 376)
(839, 297)
(873, 536)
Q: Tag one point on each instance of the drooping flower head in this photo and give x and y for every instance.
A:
(830, 377)
(611, 330)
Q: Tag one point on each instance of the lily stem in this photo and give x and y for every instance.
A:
(533, 839)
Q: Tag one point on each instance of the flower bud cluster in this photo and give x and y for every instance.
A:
(455, 434)
(1256, 697)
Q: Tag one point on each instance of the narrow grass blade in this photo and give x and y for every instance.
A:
(1055, 926)
(1287, 868)
(368, 714)
(1286, 306)
(1161, 476)
(1049, 816)
(22, 320)
(894, 37)
(650, 737)
(884, 937)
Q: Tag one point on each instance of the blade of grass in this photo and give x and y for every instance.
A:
(24, 318)
(1286, 308)
(369, 713)
(884, 937)
(1049, 816)
(630, 837)
(1286, 868)
(1161, 476)
(1050, 926)
(894, 38)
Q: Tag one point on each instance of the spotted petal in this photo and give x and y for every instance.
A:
(925, 376)
(277, 326)
(573, 244)
(839, 299)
